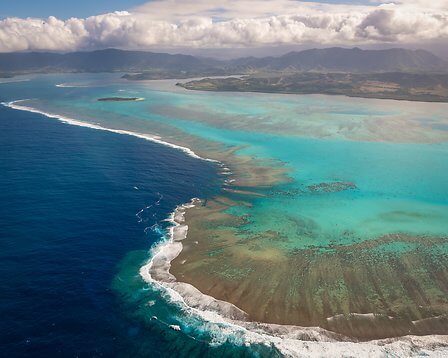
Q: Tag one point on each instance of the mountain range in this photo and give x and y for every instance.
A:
(334, 59)
(338, 59)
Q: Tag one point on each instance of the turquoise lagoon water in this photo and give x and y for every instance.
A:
(393, 152)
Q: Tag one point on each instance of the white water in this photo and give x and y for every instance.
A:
(75, 122)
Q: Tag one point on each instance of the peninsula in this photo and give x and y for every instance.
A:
(431, 87)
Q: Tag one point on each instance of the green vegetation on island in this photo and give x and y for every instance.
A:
(396, 73)
(431, 87)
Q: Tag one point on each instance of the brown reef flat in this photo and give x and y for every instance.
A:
(354, 290)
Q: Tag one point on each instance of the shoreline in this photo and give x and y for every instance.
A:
(255, 84)
(289, 339)
(318, 94)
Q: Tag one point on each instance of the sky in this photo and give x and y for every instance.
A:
(84, 8)
(63, 9)
(211, 26)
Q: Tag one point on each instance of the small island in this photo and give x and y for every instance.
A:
(120, 99)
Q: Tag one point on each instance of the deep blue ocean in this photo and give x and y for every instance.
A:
(70, 236)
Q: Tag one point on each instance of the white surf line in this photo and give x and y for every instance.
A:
(75, 122)
(68, 85)
(77, 85)
(293, 341)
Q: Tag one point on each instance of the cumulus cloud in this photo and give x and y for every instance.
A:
(35, 34)
(229, 23)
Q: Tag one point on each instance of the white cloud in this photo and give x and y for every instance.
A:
(230, 23)
(427, 4)
(35, 34)
(172, 10)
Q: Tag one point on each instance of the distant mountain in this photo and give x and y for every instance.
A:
(163, 65)
(338, 59)
(110, 60)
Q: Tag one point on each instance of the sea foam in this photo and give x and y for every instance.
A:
(71, 121)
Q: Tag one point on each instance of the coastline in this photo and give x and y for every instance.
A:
(368, 86)
(408, 99)
(289, 339)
